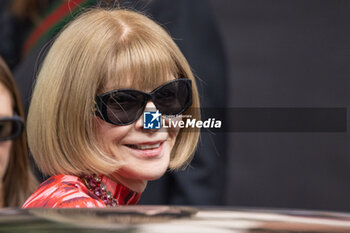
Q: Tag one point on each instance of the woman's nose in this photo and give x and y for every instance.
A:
(150, 107)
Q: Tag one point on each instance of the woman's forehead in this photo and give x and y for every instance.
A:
(6, 108)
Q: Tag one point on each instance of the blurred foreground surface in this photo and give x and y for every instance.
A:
(137, 219)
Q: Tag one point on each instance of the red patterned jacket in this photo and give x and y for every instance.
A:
(66, 191)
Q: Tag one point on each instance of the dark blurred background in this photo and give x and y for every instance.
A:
(288, 53)
(279, 53)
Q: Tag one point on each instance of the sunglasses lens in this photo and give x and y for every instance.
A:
(10, 129)
(124, 107)
(174, 98)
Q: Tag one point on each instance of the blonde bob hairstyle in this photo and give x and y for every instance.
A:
(100, 49)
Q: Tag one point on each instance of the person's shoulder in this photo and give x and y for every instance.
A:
(62, 191)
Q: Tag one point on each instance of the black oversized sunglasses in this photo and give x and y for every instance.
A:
(10, 127)
(125, 106)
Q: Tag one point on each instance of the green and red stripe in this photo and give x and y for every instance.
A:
(56, 18)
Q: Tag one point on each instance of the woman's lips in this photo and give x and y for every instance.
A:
(144, 146)
(148, 150)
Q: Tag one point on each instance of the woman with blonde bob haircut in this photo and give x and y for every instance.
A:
(85, 124)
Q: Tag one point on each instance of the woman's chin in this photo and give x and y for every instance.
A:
(149, 176)
(125, 173)
(154, 177)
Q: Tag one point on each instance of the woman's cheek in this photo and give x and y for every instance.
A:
(5, 150)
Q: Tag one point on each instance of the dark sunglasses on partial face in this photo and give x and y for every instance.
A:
(125, 106)
(10, 127)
